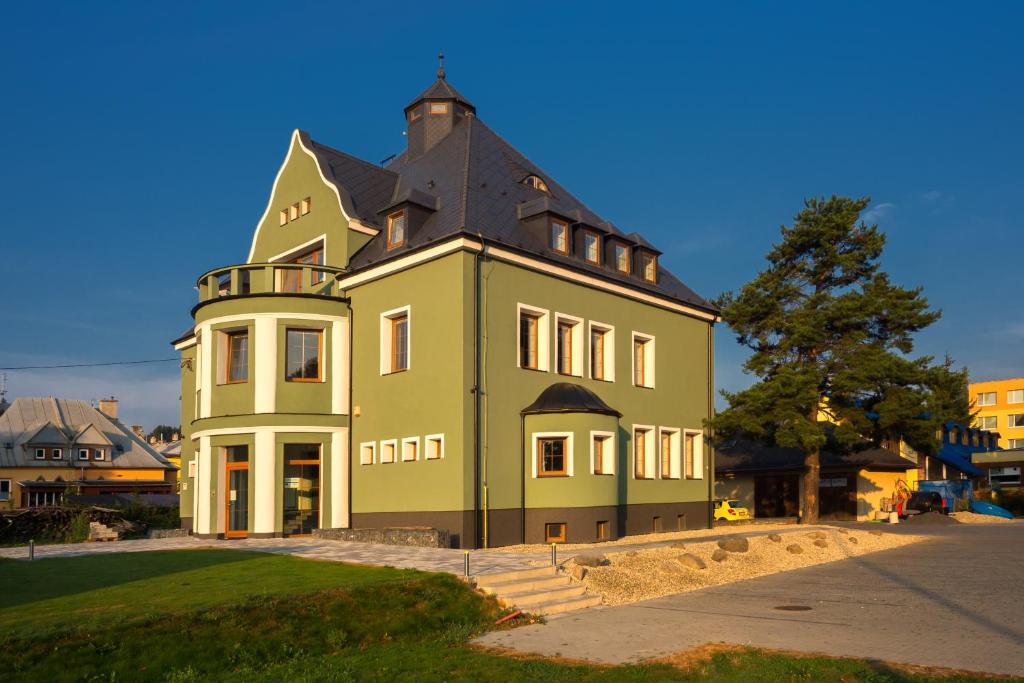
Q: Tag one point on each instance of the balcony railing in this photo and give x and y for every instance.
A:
(269, 278)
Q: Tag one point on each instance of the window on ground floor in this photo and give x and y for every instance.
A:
(681, 522)
(5, 489)
(367, 453)
(553, 456)
(433, 446)
(602, 531)
(656, 524)
(387, 451)
(410, 449)
(554, 532)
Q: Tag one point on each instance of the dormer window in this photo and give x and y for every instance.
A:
(83, 453)
(438, 108)
(40, 454)
(592, 247)
(559, 236)
(396, 229)
(536, 182)
(415, 113)
(622, 258)
(58, 454)
(649, 263)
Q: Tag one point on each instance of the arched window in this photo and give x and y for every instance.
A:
(536, 182)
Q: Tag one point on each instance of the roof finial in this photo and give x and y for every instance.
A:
(440, 65)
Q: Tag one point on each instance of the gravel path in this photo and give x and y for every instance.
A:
(643, 574)
(975, 518)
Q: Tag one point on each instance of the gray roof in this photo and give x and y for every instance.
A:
(473, 178)
(68, 423)
(745, 456)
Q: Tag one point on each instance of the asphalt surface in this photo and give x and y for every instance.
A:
(954, 601)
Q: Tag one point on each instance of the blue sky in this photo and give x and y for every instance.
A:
(140, 141)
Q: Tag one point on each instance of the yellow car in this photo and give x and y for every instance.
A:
(730, 511)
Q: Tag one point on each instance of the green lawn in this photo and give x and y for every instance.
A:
(225, 615)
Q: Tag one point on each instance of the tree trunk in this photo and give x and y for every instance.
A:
(812, 480)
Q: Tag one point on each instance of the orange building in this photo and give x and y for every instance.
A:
(1000, 406)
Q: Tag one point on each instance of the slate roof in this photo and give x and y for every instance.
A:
(63, 420)
(474, 178)
(749, 457)
(565, 397)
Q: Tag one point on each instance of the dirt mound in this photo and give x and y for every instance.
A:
(930, 519)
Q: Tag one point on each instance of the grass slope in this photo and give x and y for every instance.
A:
(251, 617)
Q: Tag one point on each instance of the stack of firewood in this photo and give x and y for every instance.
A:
(54, 523)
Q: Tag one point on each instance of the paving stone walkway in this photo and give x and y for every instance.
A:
(426, 559)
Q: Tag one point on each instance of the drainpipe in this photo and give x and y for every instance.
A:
(522, 476)
(351, 398)
(711, 413)
(476, 402)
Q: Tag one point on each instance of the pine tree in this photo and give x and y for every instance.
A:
(830, 337)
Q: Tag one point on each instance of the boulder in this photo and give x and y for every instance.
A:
(691, 561)
(577, 572)
(853, 539)
(734, 545)
(794, 549)
(719, 555)
(775, 538)
(591, 560)
(821, 542)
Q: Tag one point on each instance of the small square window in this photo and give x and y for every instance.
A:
(293, 211)
(367, 453)
(58, 454)
(656, 525)
(602, 531)
(83, 453)
(40, 454)
(99, 454)
(554, 532)
(438, 107)
(387, 451)
(434, 447)
(552, 457)
(411, 449)
(283, 217)
(305, 205)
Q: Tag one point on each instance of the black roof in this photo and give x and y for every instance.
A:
(564, 397)
(473, 180)
(747, 456)
(441, 90)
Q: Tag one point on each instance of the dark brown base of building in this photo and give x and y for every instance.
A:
(186, 524)
(459, 523)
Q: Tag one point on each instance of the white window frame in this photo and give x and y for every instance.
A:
(983, 419)
(386, 341)
(577, 343)
(372, 446)
(535, 456)
(100, 454)
(415, 442)
(651, 455)
(608, 452)
(83, 452)
(649, 359)
(609, 350)
(994, 400)
(698, 451)
(675, 456)
(1015, 443)
(393, 443)
(40, 454)
(5, 495)
(57, 454)
(543, 336)
(439, 438)
(1014, 400)
(1009, 421)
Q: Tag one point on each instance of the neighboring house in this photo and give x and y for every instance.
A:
(953, 459)
(769, 480)
(1003, 466)
(51, 447)
(1000, 406)
(171, 452)
(452, 340)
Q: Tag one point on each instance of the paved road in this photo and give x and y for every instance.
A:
(954, 601)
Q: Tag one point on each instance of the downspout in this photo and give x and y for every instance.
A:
(476, 406)
(711, 434)
(351, 398)
(522, 477)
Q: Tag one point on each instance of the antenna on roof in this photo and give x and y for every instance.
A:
(3, 386)
(385, 160)
(440, 65)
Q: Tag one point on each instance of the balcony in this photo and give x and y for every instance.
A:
(269, 278)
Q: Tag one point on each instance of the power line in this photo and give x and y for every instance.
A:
(91, 365)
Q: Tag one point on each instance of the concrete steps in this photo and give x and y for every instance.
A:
(540, 591)
(101, 532)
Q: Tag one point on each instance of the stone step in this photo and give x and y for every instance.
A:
(505, 577)
(522, 585)
(569, 605)
(538, 597)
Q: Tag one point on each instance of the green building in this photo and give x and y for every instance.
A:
(451, 340)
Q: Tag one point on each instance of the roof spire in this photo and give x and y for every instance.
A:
(440, 65)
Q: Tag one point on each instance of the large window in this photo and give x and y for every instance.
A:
(396, 229)
(643, 360)
(693, 454)
(592, 247)
(569, 345)
(1015, 443)
(394, 336)
(533, 338)
(602, 352)
(237, 364)
(1015, 420)
(560, 236)
(987, 422)
(643, 453)
(987, 398)
(1015, 396)
(303, 355)
(552, 457)
(602, 452)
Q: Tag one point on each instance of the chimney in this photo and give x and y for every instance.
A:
(108, 406)
(139, 431)
(152, 440)
(175, 437)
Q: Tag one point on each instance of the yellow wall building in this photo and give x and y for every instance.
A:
(1000, 406)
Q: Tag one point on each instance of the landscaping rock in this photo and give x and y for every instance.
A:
(821, 542)
(734, 545)
(691, 561)
(577, 572)
(678, 546)
(843, 531)
(875, 532)
(794, 549)
(632, 553)
(719, 555)
(591, 560)
(775, 538)
(853, 539)
(816, 534)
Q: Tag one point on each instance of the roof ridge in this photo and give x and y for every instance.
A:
(464, 209)
(370, 164)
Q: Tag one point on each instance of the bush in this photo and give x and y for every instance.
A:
(77, 529)
(1011, 500)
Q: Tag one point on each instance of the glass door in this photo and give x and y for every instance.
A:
(301, 489)
(236, 471)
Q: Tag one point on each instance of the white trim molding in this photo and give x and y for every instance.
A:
(609, 350)
(576, 351)
(543, 335)
(413, 441)
(675, 453)
(368, 448)
(408, 262)
(650, 451)
(310, 429)
(608, 452)
(439, 438)
(569, 455)
(298, 250)
(385, 341)
(385, 444)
